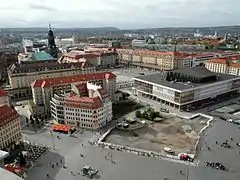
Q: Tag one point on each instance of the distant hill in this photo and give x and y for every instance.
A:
(111, 30)
(219, 29)
(39, 29)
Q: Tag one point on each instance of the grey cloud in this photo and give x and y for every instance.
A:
(41, 7)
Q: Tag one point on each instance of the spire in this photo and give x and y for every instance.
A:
(49, 26)
(51, 42)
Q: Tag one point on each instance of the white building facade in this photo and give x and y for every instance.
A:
(183, 98)
(89, 109)
(43, 90)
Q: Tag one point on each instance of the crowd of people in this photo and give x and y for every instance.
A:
(34, 152)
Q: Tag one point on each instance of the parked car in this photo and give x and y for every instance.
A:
(168, 150)
(185, 157)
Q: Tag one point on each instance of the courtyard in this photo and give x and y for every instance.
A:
(173, 132)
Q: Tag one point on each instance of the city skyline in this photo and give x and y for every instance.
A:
(122, 14)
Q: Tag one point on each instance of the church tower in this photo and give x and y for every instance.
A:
(51, 43)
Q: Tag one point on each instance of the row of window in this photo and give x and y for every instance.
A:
(5, 142)
(83, 125)
(81, 110)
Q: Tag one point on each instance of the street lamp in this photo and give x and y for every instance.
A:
(53, 143)
(187, 175)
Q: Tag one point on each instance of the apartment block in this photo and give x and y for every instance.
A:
(44, 89)
(86, 106)
(152, 59)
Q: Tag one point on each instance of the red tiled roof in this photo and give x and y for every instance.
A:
(203, 55)
(71, 79)
(103, 92)
(82, 87)
(234, 57)
(218, 61)
(7, 114)
(3, 93)
(236, 65)
(83, 102)
(80, 56)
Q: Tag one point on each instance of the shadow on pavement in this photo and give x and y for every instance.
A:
(50, 164)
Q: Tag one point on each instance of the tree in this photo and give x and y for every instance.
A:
(138, 114)
(152, 116)
(157, 114)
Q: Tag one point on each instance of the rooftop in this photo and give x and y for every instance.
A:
(218, 61)
(42, 56)
(84, 102)
(89, 96)
(72, 79)
(160, 79)
(197, 71)
(77, 54)
(3, 93)
(44, 66)
(152, 53)
(7, 114)
(229, 62)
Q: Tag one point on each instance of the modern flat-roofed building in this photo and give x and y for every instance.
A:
(188, 88)
(44, 89)
(87, 106)
(10, 127)
(4, 98)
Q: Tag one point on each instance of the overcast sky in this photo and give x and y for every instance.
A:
(119, 13)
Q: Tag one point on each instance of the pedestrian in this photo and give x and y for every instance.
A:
(47, 175)
(56, 163)
(61, 161)
(216, 142)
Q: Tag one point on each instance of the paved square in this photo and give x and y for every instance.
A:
(132, 166)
